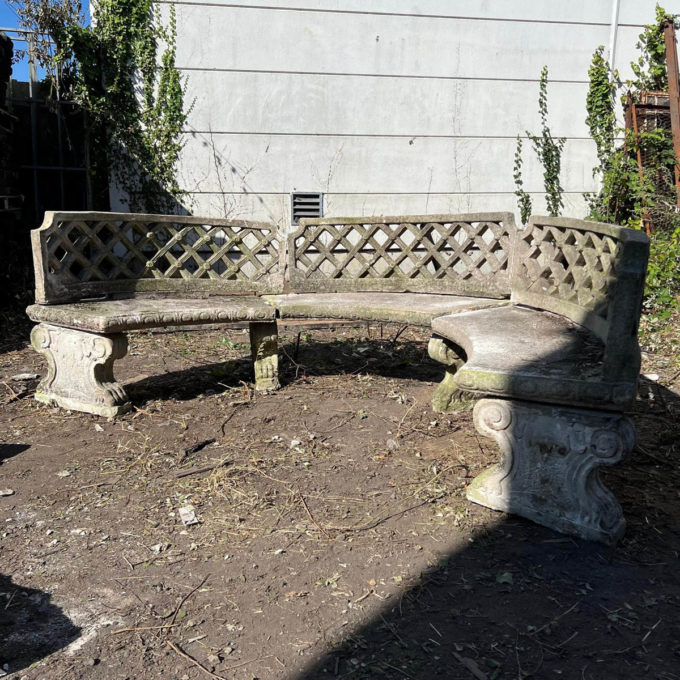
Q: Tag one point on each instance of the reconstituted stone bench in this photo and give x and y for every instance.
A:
(540, 322)
(99, 275)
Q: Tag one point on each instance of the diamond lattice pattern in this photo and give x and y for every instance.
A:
(571, 265)
(101, 250)
(431, 250)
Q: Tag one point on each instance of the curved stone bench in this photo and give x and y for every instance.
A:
(99, 275)
(523, 353)
(417, 309)
(543, 324)
(539, 322)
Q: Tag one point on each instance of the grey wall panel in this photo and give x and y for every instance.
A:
(260, 163)
(389, 105)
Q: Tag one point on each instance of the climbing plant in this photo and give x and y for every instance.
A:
(627, 195)
(549, 151)
(523, 198)
(600, 105)
(121, 70)
(622, 190)
(650, 67)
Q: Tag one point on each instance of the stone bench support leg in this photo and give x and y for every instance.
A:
(448, 396)
(264, 347)
(548, 472)
(80, 370)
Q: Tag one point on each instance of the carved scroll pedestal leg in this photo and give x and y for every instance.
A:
(265, 350)
(448, 396)
(549, 465)
(80, 370)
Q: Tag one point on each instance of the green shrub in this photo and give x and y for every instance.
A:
(662, 289)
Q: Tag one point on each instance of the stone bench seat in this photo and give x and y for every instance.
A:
(418, 309)
(523, 353)
(134, 313)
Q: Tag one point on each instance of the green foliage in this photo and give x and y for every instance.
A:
(650, 67)
(600, 102)
(624, 194)
(121, 70)
(663, 272)
(523, 198)
(549, 151)
(628, 196)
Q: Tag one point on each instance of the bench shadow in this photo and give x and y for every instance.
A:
(311, 359)
(523, 601)
(15, 327)
(10, 450)
(518, 600)
(386, 358)
(31, 627)
(191, 383)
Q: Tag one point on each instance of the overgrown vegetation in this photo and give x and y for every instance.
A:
(549, 153)
(650, 67)
(523, 198)
(628, 196)
(121, 70)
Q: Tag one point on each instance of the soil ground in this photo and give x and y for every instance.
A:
(333, 540)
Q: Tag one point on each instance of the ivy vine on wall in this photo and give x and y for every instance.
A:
(523, 198)
(549, 152)
(628, 196)
(121, 70)
(650, 67)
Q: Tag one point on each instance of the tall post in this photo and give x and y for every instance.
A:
(674, 97)
(631, 124)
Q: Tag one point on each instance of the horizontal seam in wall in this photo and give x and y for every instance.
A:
(351, 134)
(371, 193)
(406, 76)
(407, 15)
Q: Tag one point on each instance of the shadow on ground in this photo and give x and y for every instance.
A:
(312, 358)
(9, 450)
(519, 601)
(476, 615)
(522, 601)
(31, 627)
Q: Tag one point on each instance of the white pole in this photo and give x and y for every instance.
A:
(612, 32)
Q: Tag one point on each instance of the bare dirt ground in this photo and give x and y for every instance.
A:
(333, 540)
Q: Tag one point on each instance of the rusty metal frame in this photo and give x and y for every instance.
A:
(673, 97)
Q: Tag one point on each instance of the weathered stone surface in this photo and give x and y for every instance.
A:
(417, 309)
(80, 370)
(264, 348)
(528, 354)
(448, 396)
(459, 254)
(589, 272)
(111, 316)
(549, 465)
(88, 254)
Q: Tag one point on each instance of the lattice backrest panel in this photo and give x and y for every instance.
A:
(88, 254)
(574, 267)
(464, 254)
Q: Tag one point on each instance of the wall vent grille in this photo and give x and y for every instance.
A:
(305, 205)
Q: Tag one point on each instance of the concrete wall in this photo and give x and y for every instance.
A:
(387, 106)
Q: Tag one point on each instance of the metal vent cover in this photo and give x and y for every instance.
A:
(305, 204)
